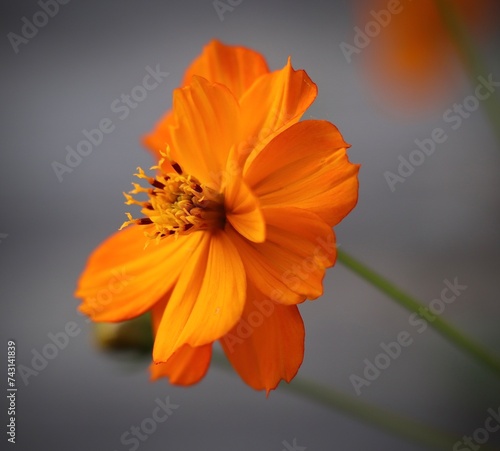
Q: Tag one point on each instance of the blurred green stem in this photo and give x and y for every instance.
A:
(471, 58)
(380, 418)
(456, 337)
(375, 416)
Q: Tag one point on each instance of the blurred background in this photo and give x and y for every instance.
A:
(441, 222)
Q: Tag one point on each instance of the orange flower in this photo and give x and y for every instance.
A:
(411, 54)
(237, 222)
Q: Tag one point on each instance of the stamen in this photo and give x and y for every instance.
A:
(156, 183)
(176, 167)
(177, 204)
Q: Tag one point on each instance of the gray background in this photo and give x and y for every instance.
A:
(440, 224)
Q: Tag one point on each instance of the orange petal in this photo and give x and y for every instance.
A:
(187, 366)
(235, 67)
(306, 166)
(273, 103)
(243, 210)
(159, 139)
(206, 117)
(267, 344)
(157, 311)
(123, 280)
(290, 265)
(207, 299)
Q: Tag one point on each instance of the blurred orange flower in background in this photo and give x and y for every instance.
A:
(237, 222)
(410, 54)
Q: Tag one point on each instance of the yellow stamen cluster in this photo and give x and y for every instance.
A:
(177, 204)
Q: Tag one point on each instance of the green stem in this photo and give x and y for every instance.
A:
(380, 418)
(456, 337)
(473, 63)
(362, 411)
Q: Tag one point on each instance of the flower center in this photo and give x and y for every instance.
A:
(177, 204)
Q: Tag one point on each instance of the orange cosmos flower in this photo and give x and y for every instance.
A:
(408, 49)
(237, 222)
